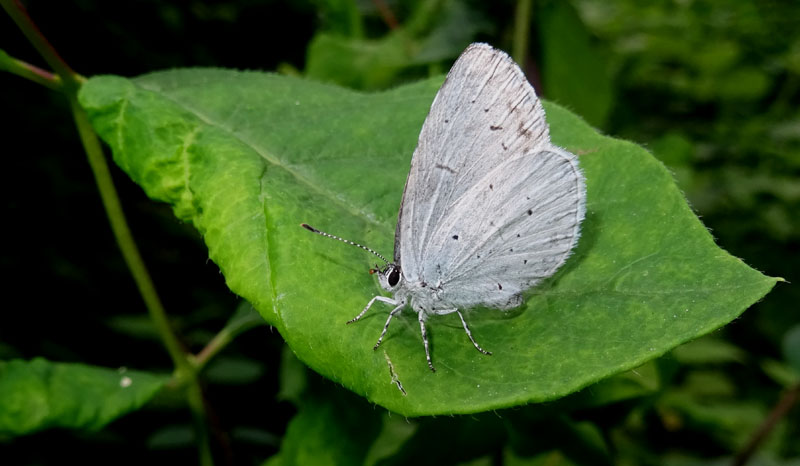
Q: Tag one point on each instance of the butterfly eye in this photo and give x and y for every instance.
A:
(394, 276)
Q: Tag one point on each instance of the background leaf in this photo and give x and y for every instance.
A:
(434, 31)
(246, 157)
(574, 73)
(40, 394)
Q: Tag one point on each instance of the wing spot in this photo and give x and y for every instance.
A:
(523, 131)
(455, 236)
(491, 187)
(505, 147)
(445, 167)
(446, 120)
(517, 235)
(499, 286)
(486, 110)
(495, 128)
(530, 212)
(525, 261)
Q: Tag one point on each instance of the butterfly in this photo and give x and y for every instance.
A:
(490, 208)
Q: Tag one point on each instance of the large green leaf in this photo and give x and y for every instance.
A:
(39, 394)
(246, 157)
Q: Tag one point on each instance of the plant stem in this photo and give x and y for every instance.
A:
(69, 82)
(194, 396)
(386, 13)
(102, 175)
(236, 326)
(522, 26)
(122, 233)
(30, 72)
(20, 16)
(787, 401)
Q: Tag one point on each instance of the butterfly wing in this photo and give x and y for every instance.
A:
(517, 225)
(484, 114)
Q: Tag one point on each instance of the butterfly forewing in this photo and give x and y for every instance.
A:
(485, 114)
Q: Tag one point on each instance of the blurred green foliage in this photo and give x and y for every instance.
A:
(712, 87)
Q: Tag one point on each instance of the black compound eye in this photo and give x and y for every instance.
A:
(394, 276)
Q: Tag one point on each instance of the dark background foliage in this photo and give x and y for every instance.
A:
(712, 87)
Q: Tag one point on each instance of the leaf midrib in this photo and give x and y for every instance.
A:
(271, 159)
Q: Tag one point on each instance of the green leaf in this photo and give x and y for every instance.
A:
(573, 72)
(246, 157)
(40, 394)
(709, 350)
(340, 17)
(330, 430)
(636, 383)
(435, 31)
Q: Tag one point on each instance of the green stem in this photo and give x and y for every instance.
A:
(185, 370)
(108, 194)
(30, 72)
(522, 26)
(20, 16)
(194, 396)
(69, 82)
(225, 336)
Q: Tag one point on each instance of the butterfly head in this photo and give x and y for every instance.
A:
(389, 276)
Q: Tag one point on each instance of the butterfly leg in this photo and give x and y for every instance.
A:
(425, 340)
(386, 327)
(382, 299)
(469, 334)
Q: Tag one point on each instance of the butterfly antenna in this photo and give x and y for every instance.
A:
(314, 230)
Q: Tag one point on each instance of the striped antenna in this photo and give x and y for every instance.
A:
(314, 230)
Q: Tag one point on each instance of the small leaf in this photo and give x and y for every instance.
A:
(709, 350)
(40, 394)
(246, 157)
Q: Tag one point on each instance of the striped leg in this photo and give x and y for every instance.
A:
(382, 299)
(386, 327)
(469, 334)
(425, 340)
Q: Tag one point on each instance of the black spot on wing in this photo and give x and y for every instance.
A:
(446, 168)
(495, 128)
(455, 236)
(523, 130)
